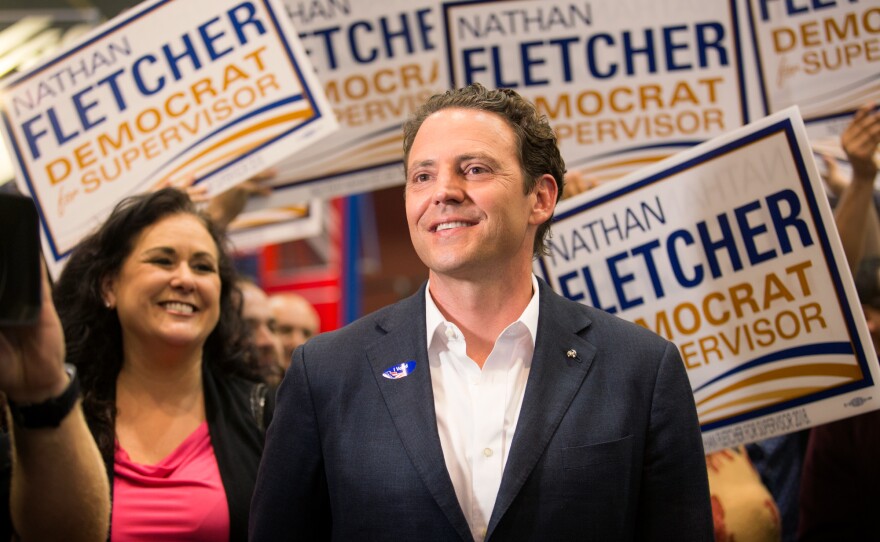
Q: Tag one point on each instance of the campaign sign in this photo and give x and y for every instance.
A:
(623, 83)
(729, 250)
(377, 62)
(169, 93)
(823, 56)
(252, 230)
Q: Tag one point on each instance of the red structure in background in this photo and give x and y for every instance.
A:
(346, 272)
(313, 268)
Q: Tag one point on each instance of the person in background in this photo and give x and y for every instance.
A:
(58, 485)
(855, 214)
(779, 461)
(743, 510)
(486, 406)
(838, 497)
(154, 330)
(296, 321)
(261, 331)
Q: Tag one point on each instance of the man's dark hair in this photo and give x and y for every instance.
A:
(536, 142)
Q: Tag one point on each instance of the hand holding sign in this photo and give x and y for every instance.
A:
(226, 206)
(860, 141)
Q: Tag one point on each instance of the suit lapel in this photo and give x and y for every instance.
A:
(554, 380)
(410, 401)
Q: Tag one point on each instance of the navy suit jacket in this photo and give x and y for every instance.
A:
(607, 446)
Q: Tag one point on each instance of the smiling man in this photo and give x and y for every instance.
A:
(485, 406)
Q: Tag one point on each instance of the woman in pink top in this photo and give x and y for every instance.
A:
(153, 325)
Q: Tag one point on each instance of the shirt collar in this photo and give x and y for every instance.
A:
(529, 317)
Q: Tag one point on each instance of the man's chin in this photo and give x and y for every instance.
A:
(458, 269)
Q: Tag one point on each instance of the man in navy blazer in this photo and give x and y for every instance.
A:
(485, 406)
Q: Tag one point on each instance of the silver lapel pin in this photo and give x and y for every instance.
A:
(572, 353)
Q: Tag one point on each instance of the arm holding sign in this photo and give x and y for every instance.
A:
(226, 206)
(855, 214)
(837, 500)
(835, 179)
(837, 182)
(59, 486)
(577, 182)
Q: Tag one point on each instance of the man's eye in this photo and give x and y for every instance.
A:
(421, 177)
(476, 170)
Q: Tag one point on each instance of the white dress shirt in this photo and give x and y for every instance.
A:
(476, 409)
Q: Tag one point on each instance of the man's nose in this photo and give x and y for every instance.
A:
(264, 336)
(449, 188)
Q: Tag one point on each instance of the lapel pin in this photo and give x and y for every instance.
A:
(399, 371)
(572, 354)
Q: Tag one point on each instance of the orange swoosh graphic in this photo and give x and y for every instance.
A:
(268, 123)
(851, 372)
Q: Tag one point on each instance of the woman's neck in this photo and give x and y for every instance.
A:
(159, 401)
(162, 372)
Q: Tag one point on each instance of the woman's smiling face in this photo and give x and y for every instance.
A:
(168, 288)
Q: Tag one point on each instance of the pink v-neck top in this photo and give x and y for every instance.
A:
(179, 498)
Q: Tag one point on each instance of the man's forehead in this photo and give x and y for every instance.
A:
(254, 299)
(464, 114)
(485, 124)
(251, 290)
(291, 308)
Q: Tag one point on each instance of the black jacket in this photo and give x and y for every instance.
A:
(237, 425)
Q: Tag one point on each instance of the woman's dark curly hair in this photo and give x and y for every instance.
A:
(92, 331)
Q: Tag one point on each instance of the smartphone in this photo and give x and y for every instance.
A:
(20, 288)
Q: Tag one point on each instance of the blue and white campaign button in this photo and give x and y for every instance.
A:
(400, 371)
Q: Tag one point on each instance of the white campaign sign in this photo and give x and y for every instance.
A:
(169, 93)
(729, 250)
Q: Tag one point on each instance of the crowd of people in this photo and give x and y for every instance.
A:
(161, 395)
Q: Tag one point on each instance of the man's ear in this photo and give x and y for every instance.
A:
(546, 191)
(108, 292)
